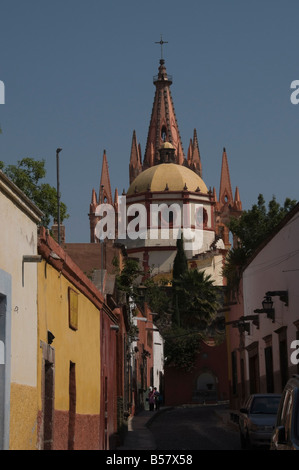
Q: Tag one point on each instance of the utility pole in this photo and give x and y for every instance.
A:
(58, 193)
(102, 244)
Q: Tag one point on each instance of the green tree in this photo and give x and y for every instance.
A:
(198, 300)
(127, 278)
(196, 308)
(181, 348)
(256, 224)
(251, 229)
(180, 264)
(27, 175)
(194, 294)
(180, 267)
(232, 271)
(182, 324)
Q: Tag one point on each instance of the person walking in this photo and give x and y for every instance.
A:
(157, 398)
(151, 399)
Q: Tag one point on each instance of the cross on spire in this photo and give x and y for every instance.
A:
(161, 42)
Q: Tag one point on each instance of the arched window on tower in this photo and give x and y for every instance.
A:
(163, 134)
(201, 218)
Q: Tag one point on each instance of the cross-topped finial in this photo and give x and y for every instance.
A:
(161, 42)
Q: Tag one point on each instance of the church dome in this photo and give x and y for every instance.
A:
(167, 145)
(169, 176)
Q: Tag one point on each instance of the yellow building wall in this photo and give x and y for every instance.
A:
(23, 417)
(81, 346)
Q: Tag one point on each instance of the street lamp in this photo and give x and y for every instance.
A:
(58, 195)
(267, 304)
(282, 294)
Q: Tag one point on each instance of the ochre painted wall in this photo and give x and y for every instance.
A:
(23, 417)
(81, 347)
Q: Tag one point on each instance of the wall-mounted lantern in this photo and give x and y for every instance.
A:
(243, 324)
(267, 304)
(243, 327)
(282, 294)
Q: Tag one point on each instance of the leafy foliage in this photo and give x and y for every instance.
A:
(185, 309)
(182, 347)
(157, 295)
(251, 229)
(180, 264)
(27, 175)
(195, 308)
(256, 224)
(197, 299)
(233, 267)
(127, 279)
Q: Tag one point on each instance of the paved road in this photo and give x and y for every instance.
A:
(194, 428)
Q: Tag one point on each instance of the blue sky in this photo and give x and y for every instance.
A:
(78, 75)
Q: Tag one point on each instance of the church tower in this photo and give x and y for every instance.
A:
(135, 166)
(227, 206)
(164, 132)
(163, 128)
(168, 199)
(164, 145)
(104, 196)
(163, 123)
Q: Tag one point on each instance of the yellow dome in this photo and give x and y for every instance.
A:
(167, 145)
(167, 175)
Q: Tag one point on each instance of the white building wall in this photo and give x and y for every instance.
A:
(275, 268)
(18, 237)
(158, 366)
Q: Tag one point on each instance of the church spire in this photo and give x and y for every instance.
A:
(163, 124)
(105, 194)
(135, 166)
(225, 194)
(237, 202)
(193, 157)
(226, 207)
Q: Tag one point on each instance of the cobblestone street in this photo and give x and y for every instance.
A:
(183, 428)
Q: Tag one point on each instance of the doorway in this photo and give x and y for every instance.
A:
(72, 406)
(48, 406)
(206, 387)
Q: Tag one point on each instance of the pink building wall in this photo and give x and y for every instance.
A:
(182, 387)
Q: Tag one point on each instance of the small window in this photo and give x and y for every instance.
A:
(201, 217)
(73, 309)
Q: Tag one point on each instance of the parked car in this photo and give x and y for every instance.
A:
(257, 419)
(286, 432)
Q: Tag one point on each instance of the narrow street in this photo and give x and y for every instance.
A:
(194, 428)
